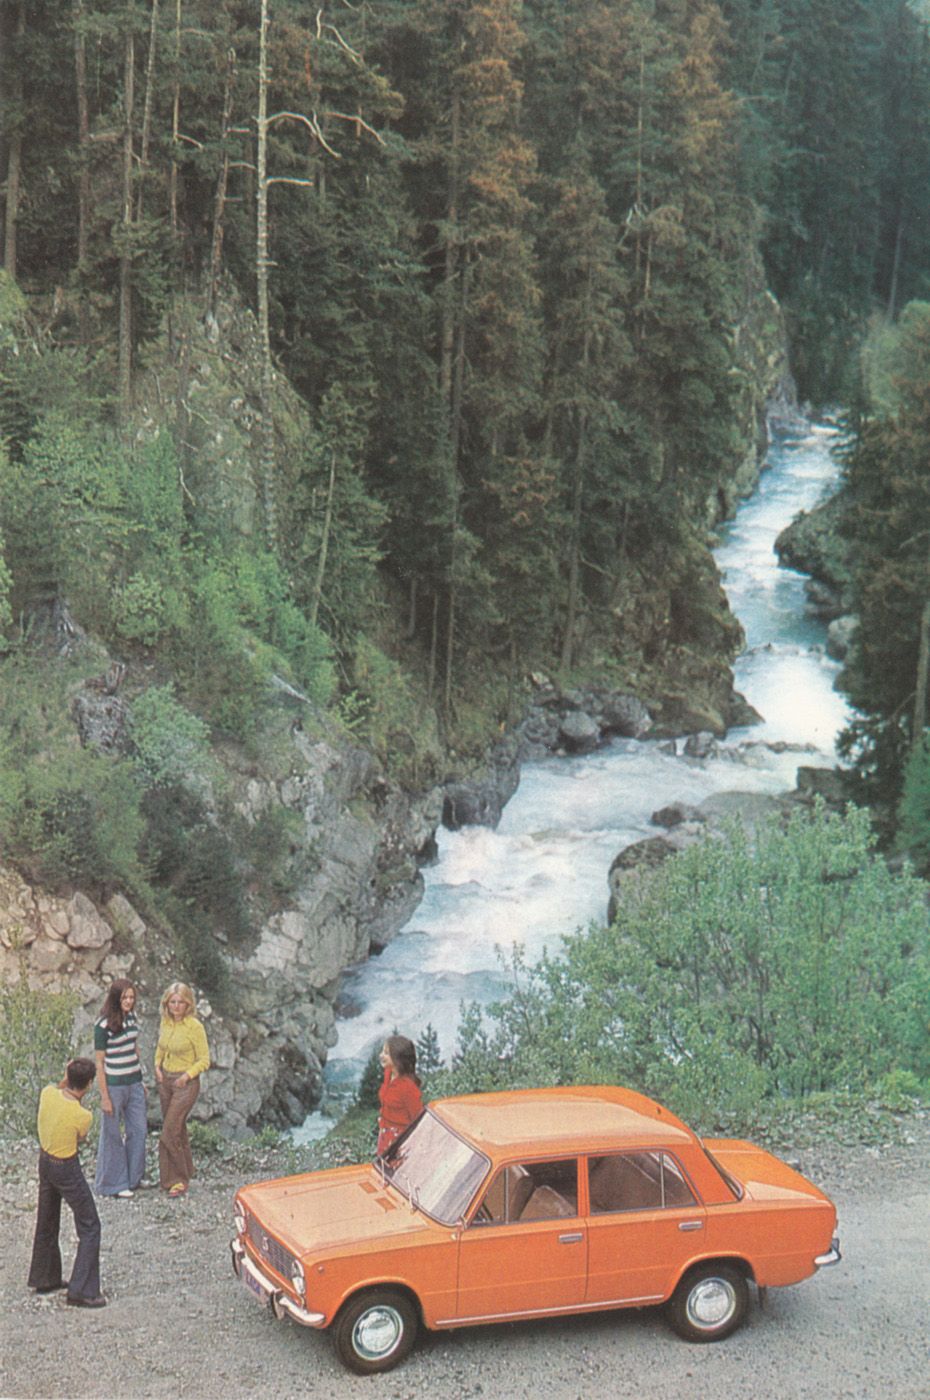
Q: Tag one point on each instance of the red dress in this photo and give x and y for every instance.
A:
(401, 1102)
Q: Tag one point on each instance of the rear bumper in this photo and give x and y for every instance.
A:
(832, 1256)
(281, 1304)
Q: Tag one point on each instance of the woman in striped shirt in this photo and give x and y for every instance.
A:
(121, 1149)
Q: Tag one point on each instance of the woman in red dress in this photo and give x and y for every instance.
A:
(399, 1095)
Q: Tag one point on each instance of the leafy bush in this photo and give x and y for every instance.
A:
(36, 1042)
(913, 834)
(779, 964)
(384, 711)
(171, 744)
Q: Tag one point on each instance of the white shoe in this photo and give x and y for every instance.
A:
(125, 1195)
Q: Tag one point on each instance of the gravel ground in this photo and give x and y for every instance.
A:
(180, 1325)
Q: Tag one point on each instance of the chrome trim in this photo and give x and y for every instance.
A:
(832, 1256)
(691, 1225)
(571, 1239)
(280, 1301)
(549, 1312)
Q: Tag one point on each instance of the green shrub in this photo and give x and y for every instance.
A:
(171, 744)
(36, 1042)
(205, 1138)
(778, 965)
(383, 710)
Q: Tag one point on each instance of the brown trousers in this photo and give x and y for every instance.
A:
(175, 1162)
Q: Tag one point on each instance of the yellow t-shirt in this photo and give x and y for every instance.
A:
(182, 1046)
(63, 1122)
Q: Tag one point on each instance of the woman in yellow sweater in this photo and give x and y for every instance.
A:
(181, 1057)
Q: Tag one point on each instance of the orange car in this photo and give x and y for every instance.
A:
(531, 1203)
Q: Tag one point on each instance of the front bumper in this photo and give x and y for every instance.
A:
(832, 1256)
(264, 1288)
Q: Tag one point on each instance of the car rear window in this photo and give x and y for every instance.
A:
(731, 1181)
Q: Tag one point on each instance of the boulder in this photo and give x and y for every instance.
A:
(625, 715)
(701, 745)
(579, 733)
(471, 804)
(828, 783)
(676, 813)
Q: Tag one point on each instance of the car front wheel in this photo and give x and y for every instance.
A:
(375, 1331)
(709, 1303)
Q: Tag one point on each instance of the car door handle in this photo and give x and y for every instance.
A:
(691, 1225)
(571, 1239)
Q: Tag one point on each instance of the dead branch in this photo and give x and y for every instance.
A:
(358, 121)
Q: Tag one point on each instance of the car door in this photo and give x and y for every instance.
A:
(524, 1250)
(644, 1224)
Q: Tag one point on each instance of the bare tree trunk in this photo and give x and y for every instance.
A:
(923, 661)
(578, 472)
(175, 121)
(124, 383)
(895, 267)
(447, 327)
(324, 542)
(261, 279)
(455, 438)
(84, 201)
(147, 105)
(14, 161)
(222, 182)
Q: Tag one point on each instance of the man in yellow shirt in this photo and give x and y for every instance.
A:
(63, 1123)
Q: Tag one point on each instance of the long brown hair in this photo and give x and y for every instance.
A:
(403, 1055)
(111, 1011)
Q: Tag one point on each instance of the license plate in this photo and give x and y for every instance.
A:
(253, 1285)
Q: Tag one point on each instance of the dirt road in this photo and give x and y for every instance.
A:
(180, 1325)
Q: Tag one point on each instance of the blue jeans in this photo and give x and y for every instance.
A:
(121, 1159)
(61, 1179)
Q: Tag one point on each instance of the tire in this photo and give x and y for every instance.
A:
(375, 1331)
(710, 1302)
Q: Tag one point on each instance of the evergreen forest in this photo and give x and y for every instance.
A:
(386, 352)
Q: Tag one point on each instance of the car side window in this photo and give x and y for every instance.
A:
(636, 1181)
(531, 1191)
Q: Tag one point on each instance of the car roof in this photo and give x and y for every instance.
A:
(584, 1118)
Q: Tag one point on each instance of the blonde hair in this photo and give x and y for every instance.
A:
(180, 989)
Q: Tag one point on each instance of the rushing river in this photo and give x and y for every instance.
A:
(543, 872)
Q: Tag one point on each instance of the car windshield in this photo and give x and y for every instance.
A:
(436, 1170)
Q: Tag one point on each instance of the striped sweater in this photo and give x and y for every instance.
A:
(121, 1056)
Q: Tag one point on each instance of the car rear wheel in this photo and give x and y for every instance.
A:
(709, 1303)
(375, 1331)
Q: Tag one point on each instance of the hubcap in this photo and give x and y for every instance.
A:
(377, 1332)
(711, 1302)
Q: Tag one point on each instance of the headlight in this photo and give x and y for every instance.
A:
(297, 1276)
(239, 1219)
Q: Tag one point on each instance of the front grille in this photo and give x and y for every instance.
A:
(280, 1259)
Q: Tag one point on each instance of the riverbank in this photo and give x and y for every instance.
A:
(178, 1324)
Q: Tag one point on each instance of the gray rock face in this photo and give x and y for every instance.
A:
(840, 635)
(471, 804)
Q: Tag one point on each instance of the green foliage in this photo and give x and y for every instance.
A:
(36, 1042)
(371, 1079)
(785, 963)
(68, 814)
(429, 1059)
(171, 744)
(205, 1138)
(913, 836)
(6, 584)
(386, 713)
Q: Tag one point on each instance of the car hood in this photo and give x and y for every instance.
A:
(763, 1176)
(319, 1211)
